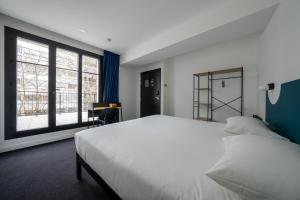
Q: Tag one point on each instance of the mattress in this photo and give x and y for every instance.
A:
(156, 157)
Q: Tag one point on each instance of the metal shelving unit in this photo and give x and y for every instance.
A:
(197, 89)
(207, 91)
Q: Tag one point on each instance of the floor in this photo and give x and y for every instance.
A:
(45, 172)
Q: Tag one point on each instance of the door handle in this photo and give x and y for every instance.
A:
(54, 92)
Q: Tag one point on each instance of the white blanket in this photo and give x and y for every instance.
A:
(157, 157)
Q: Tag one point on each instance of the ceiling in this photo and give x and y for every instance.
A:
(234, 20)
(127, 22)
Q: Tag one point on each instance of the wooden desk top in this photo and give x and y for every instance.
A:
(103, 108)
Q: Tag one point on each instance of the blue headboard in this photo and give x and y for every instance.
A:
(284, 116)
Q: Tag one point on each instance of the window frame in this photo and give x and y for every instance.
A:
(10, 83)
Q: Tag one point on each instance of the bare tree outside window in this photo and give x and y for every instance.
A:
(90, 83)
(32, 84)
(66, 87)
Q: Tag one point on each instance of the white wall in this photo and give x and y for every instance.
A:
(177, 73)
(279, 59)
(272, 56)
(6, 145)
(127, 92)
(236, 53)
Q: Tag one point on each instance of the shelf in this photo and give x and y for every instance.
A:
(225, 71)
(202, 119)
(202, 74)
(225, 78)
(201, 89)
(204, 101)
(196, 102)
(202, 104)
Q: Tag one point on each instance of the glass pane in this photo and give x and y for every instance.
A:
(66, 59)
(32, 52)
(90, 83)
(66, 87)
(90, 65)
(32, 85)
(89, 92)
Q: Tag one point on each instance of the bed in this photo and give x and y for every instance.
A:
(156, 157)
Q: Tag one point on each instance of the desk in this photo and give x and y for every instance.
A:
(96, 108)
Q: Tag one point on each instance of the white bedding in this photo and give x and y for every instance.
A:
(156, 157)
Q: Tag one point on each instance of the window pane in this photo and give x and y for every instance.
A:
(90, 65)
(66, 59)
(90, 83)
(32, 52)
(66, 87)
(32, 85)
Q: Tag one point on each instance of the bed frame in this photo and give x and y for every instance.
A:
(81, 163)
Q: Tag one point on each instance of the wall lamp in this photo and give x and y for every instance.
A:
(269, 86)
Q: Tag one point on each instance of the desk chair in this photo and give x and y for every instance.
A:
(108, 116)
(111, 114)
(95, 109)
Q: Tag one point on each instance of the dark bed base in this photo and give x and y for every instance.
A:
(80, 162)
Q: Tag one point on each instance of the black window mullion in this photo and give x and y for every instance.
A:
(10, 84)
(100, 89)
(72, 70)
(41, 65)
(90, 73)
(80, 89)
(52, 86)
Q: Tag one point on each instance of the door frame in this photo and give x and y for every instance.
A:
(161, 88)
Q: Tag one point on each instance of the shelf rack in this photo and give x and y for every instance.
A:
(209, 77)
(197, 88)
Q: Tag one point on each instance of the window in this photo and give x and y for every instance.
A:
(32, 84)
(90, 83)
(66, 87)
(48, 85)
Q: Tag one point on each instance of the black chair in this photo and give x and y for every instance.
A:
(93, 112)
(109, 116)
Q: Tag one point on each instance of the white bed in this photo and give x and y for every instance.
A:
(156, 157)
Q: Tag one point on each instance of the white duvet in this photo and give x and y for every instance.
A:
(157, 157)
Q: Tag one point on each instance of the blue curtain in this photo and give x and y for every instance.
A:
(110, 77)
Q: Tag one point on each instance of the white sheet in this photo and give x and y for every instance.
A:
(157, 157)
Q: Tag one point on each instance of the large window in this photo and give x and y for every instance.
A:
(48, 85)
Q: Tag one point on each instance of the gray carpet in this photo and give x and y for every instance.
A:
(45, 172)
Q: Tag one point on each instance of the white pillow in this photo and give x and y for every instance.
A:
(249, 125)
(258, 167)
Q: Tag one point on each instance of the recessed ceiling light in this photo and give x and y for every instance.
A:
(81, 30)
(109, 39)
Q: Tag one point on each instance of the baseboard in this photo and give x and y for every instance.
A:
(34, 142)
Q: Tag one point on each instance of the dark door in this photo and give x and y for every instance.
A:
(150, 92)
